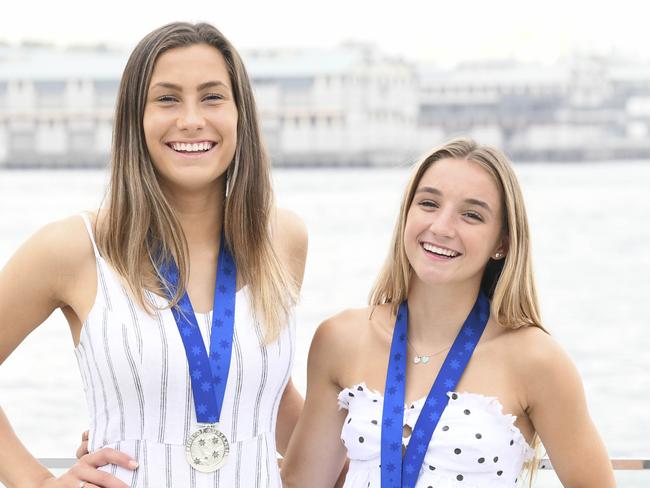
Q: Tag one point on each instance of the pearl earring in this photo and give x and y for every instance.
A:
(498, 255)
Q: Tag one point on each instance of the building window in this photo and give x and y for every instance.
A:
(22, 142)
(50, 94)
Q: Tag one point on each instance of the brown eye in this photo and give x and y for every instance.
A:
(428, 204)
(214, 97)
(474, 216)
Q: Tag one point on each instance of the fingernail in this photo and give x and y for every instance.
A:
(133, 464)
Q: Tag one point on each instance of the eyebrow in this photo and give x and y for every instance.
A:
(202, 86)
(471, 201)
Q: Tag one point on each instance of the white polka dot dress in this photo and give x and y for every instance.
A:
(474, 445)
(139, 397)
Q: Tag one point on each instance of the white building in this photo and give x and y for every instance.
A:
(347, 105)
(56, 106)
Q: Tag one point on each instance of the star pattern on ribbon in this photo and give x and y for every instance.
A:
(208, 371)
(437, 399)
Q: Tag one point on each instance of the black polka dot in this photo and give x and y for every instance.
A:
(479, 436)
(350, 394)
(466, 412)
(457, 451)
(374, 401)
(374, 422)
(361, 439)
(454, 396)
(481, 460)
(496, 458)
(512, 442)
(360, 388)
(499, 473)
(459, 477)
(349, 420)
(445, 428)
(432, 468)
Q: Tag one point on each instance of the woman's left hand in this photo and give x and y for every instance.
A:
(82, 450)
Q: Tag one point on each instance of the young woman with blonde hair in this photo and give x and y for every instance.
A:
(178, 292)
(448, 377)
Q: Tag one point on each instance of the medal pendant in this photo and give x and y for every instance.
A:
(207, 449)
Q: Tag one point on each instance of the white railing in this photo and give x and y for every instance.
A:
(621, 464)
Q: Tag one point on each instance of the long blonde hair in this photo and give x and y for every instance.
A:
(140, 228)
(508, 282)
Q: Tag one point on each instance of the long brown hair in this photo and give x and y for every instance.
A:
(140, 228)
(508, 282)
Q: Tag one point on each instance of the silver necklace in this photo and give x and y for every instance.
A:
(424, 358)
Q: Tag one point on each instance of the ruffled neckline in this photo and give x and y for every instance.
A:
(488, 403)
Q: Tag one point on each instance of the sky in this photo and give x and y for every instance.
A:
(432, 30)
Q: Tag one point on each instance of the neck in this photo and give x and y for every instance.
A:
(200, 214)
(436, 313)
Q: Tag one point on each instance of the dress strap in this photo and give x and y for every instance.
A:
(89, 228)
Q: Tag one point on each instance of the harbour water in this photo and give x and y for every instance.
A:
(590, 229)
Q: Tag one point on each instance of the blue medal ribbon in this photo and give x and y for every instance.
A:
(395, 472)
(208, 372)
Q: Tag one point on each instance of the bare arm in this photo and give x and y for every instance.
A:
(288, 414)
(290, 242)
(37, 280)
(558, 411)
(316, 454)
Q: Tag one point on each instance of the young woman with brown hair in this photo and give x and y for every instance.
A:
(179, 291)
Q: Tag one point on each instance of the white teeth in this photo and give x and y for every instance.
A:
(439, 250)
(194, 147)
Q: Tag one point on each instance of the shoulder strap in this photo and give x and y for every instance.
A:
(89, 228)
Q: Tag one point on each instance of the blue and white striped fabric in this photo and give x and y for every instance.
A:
(138, 390)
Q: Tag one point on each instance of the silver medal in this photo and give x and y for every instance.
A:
(207, 449)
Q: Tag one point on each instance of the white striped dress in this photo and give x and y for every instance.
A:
(138, 390)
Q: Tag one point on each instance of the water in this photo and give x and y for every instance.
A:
(590, 229)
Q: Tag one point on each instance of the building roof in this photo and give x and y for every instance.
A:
(50, 63)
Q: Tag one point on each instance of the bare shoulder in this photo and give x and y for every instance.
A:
(289, 236)
(52, 269)
(342, 328)
(289, 230)
(542, 365)
(533, 347)
(339, 336)
(64, 244)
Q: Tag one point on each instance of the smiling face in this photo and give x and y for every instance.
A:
(190, 117)
(454, 223)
